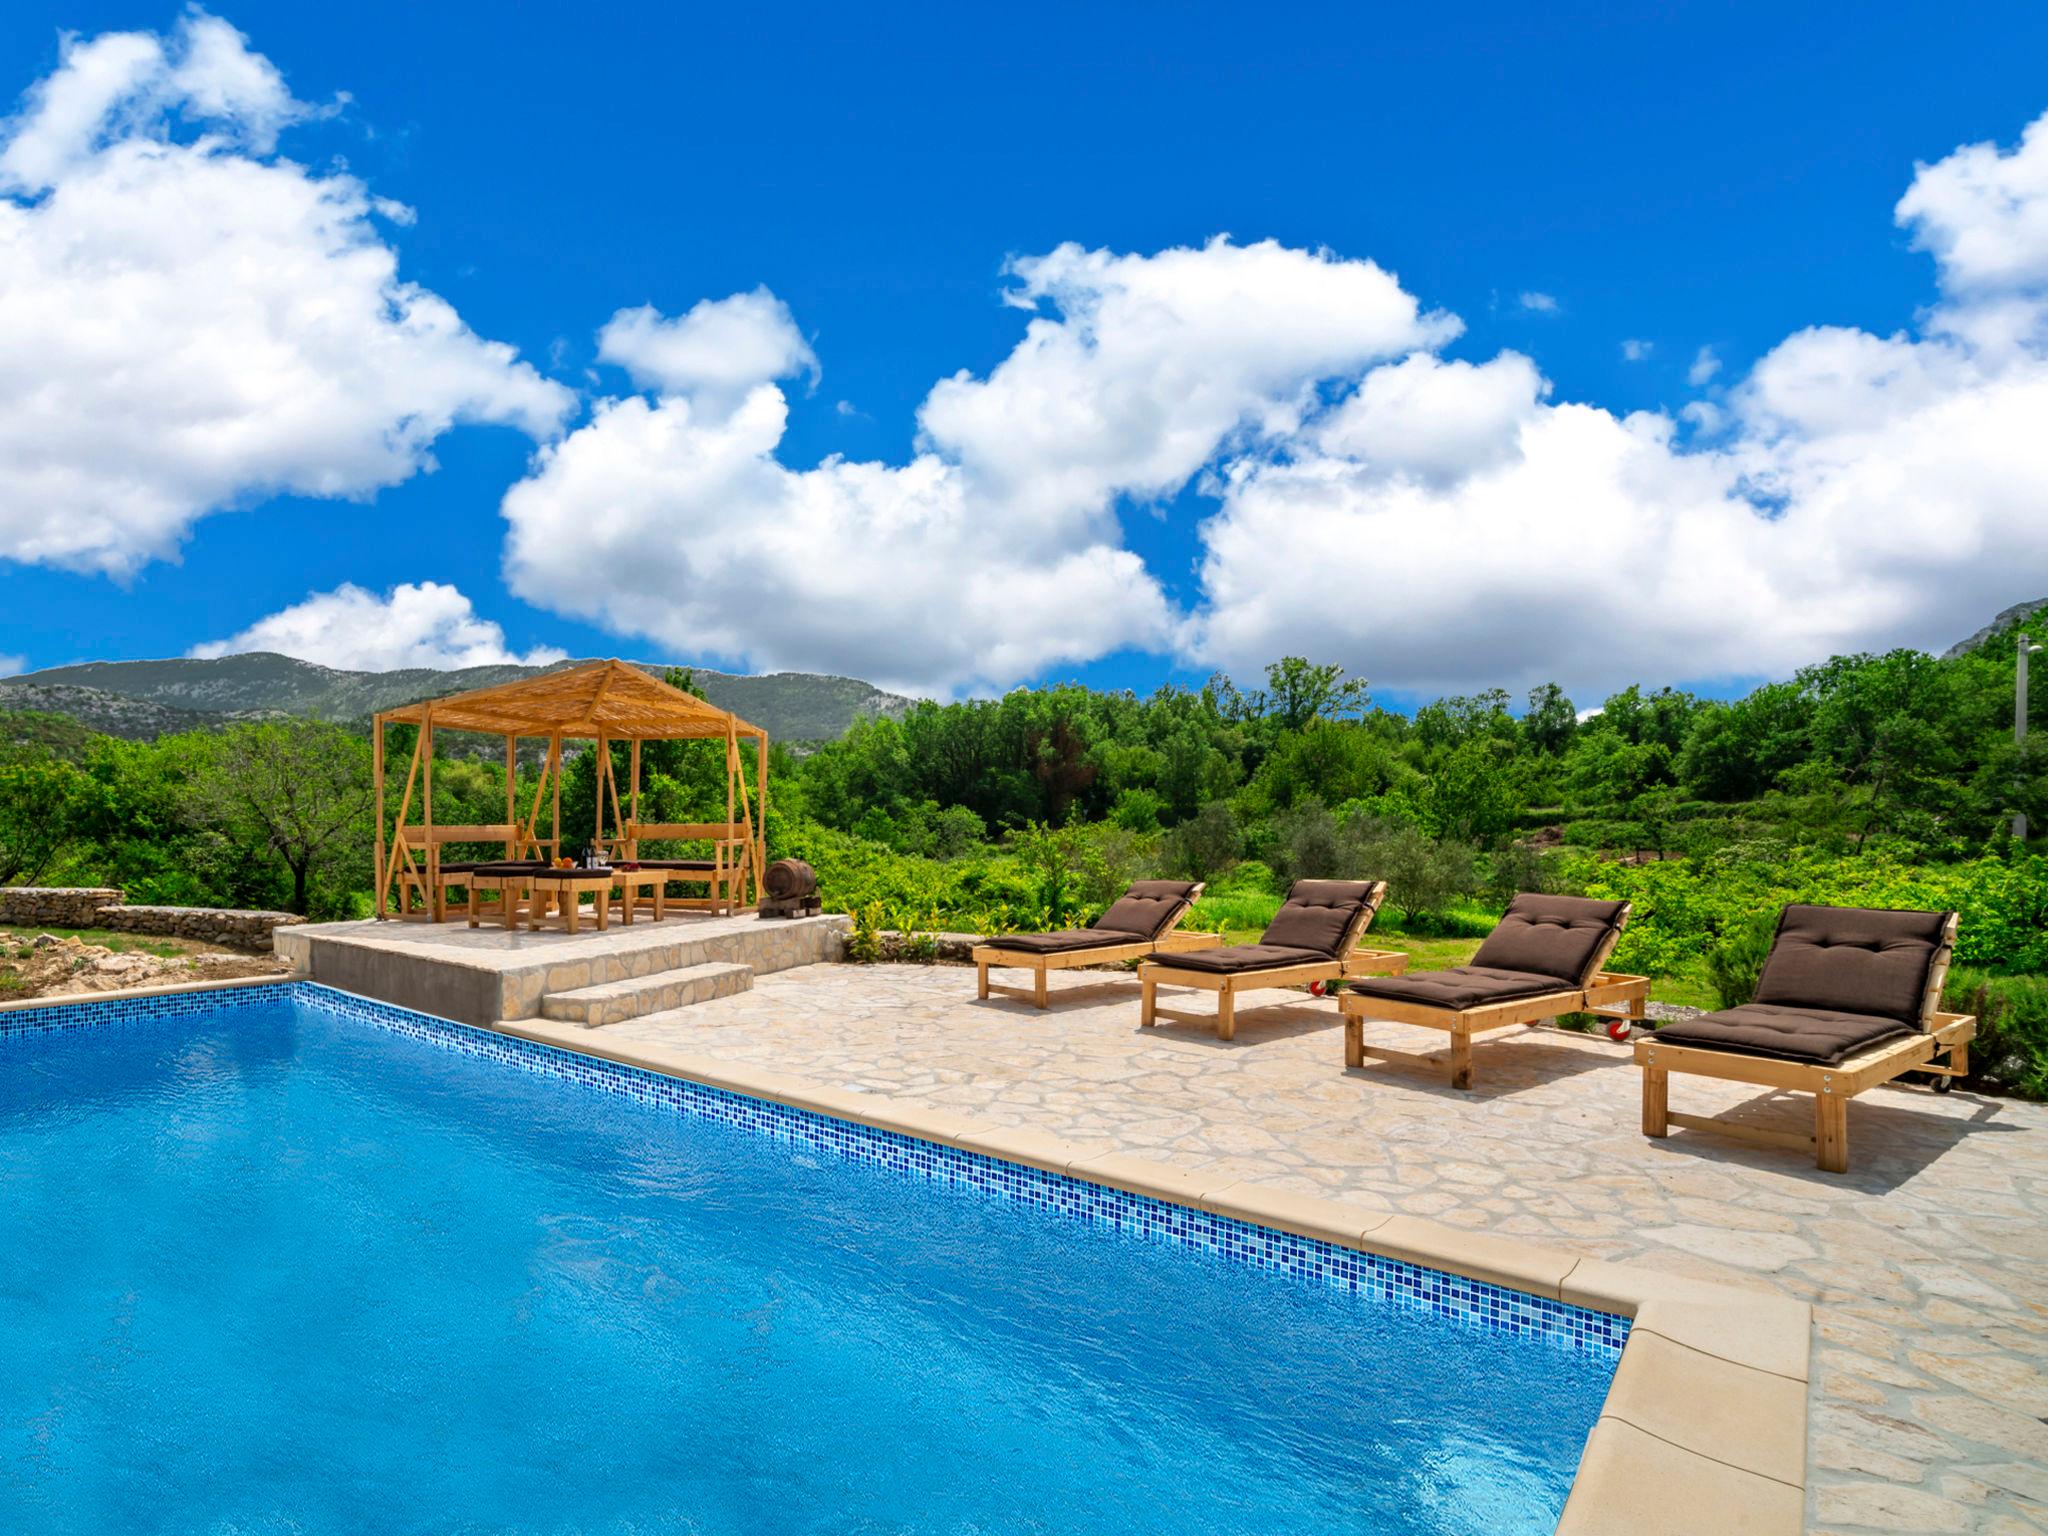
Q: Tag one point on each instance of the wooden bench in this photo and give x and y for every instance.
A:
(431, 879)
(726, 874)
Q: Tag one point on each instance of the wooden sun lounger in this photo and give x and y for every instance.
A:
(1936, 1043)
(1114, 949)
(1832, 1087)
(1600, 990)
(1353, 958)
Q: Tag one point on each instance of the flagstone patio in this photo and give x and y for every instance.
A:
(1927, 1264)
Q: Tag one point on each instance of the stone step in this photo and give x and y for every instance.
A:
(614, 1002)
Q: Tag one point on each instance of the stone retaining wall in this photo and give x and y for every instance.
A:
(32, 906)
(29, 906)
(225, 926)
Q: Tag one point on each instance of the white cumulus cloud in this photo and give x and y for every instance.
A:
(995, 552)
(194, 323)
(1864, 491)
(722, 347)
(1540, 303)
(415, 624)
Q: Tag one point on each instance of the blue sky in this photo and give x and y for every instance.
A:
(1688, 177)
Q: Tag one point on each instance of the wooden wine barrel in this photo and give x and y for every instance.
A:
(788, 878)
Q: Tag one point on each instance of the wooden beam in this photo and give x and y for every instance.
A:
(377, 778)
(555, 772)
(512, 794)
(761, 804)
(433, 856)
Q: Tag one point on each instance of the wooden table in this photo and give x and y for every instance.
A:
(510, 884)
(566, 886)
(632, 881)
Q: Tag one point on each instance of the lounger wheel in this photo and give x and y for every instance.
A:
(1943, 1083)
(1318, 989)
(1619, 1030)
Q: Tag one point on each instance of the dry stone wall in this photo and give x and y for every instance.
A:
(26, 906)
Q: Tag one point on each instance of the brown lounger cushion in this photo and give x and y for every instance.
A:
(1853, 960)
(1555, 936)
(1231, 959)
(568, 874)
(1148, 908)
(1468, 986)
(1819, 1035)
(1065, 941)
(460, 866)
(508, 867)
(1317, 916)
(681, 866)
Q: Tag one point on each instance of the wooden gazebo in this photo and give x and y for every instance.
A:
(603, 702)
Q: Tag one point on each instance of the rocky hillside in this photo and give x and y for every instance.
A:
(146, 698)
(40, 712)
(2017, 613)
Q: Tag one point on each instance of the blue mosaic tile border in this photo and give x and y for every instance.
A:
(1370, 1276)
(128, 1010)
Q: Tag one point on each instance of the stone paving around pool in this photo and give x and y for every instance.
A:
(1927, 1264)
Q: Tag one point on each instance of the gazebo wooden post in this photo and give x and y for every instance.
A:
(602, 763)
(377, 779)
(732, 769)
(760, 812)
(398, 853)
(634, 792)
(555, 769)
(432, 893)
(512, 794)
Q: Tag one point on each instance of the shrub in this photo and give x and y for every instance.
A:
(1209, 841)
(2011, 1049)
(1736, 959)
(1425, 876)
(1246, 875)
(1306, 845)
(1137, 810)
(864, 944)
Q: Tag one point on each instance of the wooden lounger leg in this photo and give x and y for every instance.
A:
(1354, 1040)
(1226, 1013)
(1461, 1058)
(1038, 986)
(1656, 1102)
(1148, 1002)
(1831, 1130)
(981, 979)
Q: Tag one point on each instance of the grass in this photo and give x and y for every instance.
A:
(119, 943)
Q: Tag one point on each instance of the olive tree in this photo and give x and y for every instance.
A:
(289, 792)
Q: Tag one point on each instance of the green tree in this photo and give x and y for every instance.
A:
(1551, 719)
(1298, 691)
(1471, 796)
(297, 792)
(39, 797)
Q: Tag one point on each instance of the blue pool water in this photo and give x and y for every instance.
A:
(275, 1268)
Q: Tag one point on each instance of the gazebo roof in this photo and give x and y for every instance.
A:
(614, 699)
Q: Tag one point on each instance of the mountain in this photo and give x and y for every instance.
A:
(147, 698)
(112, 714)
(2017, 613)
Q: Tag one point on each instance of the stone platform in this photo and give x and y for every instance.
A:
(481, 975)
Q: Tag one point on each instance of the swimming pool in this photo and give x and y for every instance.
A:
(284, 1260)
